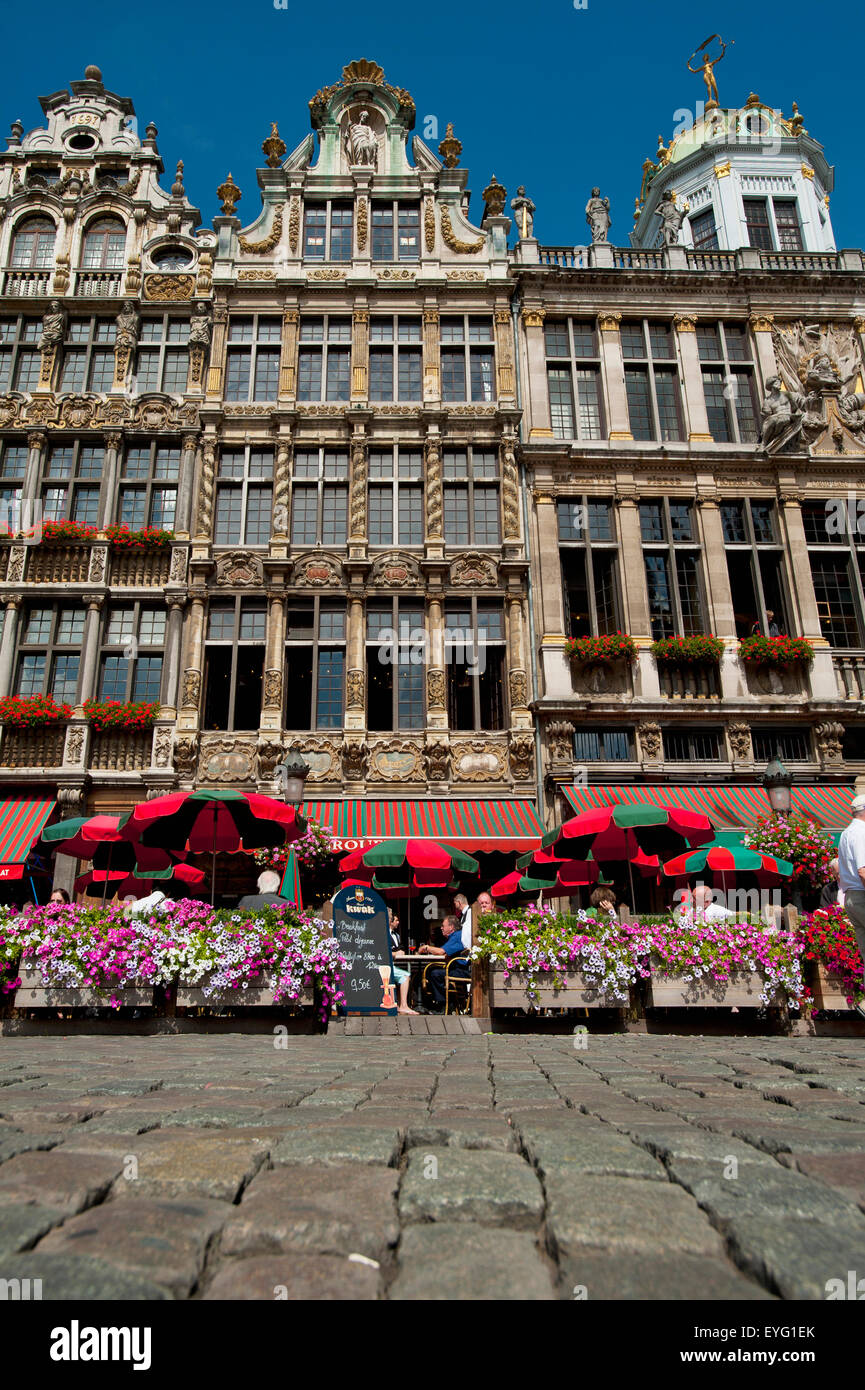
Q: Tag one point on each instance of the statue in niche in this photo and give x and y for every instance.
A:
(598, 216)
(53, 325)
(126, 325)
(200, 326)
(361, 142)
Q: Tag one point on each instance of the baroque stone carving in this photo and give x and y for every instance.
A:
(397, 760)
(395, 572)
(267, 756)
(524, 213)
(829, 738)
(560, 735)
(479, 761)
(177, 573)
(519, 690)
(74, 751)
(162, 747)
(239, 569)
(205, 487)
(98, 564)
(510, 491)
(359, 472)
(739, 737)
(322, 757)
(15, 566)
(354, 683)
(474, 571)
(433, 462)
(522, 756)
(191, 689)
(170, 287)
(362, 223)
(451, 240)
(260, 248)
(226, 760)
(317, 572)
(355, 760)
(651, 742)
(294, 224)
(185, 757)
(435, 689)
(10, 408)
(429, 224)
(437, 762)
(273, 689)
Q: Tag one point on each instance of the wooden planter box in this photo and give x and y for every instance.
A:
(261, 996)
(672, 992)
(576, 993)
(33, 993)
(828, 993)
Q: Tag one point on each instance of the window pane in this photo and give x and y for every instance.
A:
(314, 227)
(453, 367)
(716, 407)
(556, 339)
(456, 515)
(380, 374)
(112, 686)
(175, 372)
(102, 371)
(410, 515)
(258, 510)
(708, 342)
(133, 507)
(660, 596)
(746, 414)
(31, 674)
(589, 399)
(633, 343)
(147, 678)
(787, 222)
(410, 712)
(267, 374)
(680, 521)
(334, 522)
(486, 507)
(757, 221)
(639, 406)
(163, 503)
(410, 374)
(338, 364)
(687, 572)
(835, 602)
(340, 233)
(229, 504)
(86, 508)
(482, 375)
(704, 232)
(72, 376)
(382, 233)
(409, 232)
(763, 514)
(329, 688)
(651, 521)
(237, 374)
(667, 394)
(64, 682)
(380, 514)
(561, 402)
(733, 523)
(309, 374)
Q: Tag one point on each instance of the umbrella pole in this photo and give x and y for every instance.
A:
(33, 889)
(631, 879)
(107, 872)
(213, 862)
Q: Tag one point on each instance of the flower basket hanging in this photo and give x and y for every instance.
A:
(32, 712)
(106, 715)
(148, 538)
(775, 651)
(699, 649)
(613, 646)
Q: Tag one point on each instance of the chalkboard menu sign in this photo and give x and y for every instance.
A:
(360, 925)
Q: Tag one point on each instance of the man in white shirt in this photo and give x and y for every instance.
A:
(851, 875)
(464, 912)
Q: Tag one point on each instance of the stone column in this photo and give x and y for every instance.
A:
(431, 364)
(823, 683)
(282, 489)
(193, 666)
(183, 514)
(505, 354)
(288, 360)
(360, 355)
(171, 669)
(216, 370)
(357, 525)
(551, 625)
(536, 392)
(108, 489)
(719, 597)
(696, 419)
(90, 653)
(436, 681)
(764, 348)
(613, 368)
(7, 644)
(37, 443)
(355, 704)
(206, 477)
(728, 194)
(434, 510)
(518, 685)
(274, 664)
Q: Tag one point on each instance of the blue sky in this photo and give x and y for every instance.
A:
(541, 93)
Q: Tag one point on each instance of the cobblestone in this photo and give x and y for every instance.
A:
(259, 1172)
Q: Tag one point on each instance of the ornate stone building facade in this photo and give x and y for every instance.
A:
(403, 462)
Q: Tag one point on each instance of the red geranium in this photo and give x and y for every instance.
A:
(148, 538)
(32, 711)
(112, 714)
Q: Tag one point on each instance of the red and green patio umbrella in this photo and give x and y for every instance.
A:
(105, 842)
(725, 864)
(96, 880)
(214, 821)
(562, 884)
(613, 834)
(409, 864)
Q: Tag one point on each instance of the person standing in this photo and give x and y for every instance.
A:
(464, 914)
(851, 875)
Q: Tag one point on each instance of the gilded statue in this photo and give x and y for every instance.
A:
(706, 66)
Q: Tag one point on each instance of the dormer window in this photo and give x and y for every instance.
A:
(773, 224)
(704, 232)
(33, 246)
(172, 258)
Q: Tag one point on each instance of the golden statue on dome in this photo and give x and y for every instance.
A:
(706, 66)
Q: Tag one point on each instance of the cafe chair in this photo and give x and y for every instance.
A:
(452, 983)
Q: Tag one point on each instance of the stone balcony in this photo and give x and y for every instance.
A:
(120, 750)
(58, 564)
(32, 748)
(27, 284)
(139, 569)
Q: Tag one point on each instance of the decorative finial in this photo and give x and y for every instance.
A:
(662, 154)
(797, 121)
(753, 100)
(17, 130)
(273, 148)
(92, 73)
(637, 209)
(151, 132)
(450, 148)
(177, 189)
(494, 196)
(228, 194)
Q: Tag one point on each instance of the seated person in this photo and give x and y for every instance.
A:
(461, 969)
(701, 904)
(402, 977)
(603, 899)
(268, 891)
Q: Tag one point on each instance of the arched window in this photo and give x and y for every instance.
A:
(104, 245)
(33, 245)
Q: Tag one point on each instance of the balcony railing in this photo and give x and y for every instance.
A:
(711, 260)
(136, 569)
(99, 284)
(27, 284)
(126, 751)
(799, 260)
(568, 257)
(728, 262)
(850, 675)
(689, 681)
(625, 258)
(31, 748)
(58, 564)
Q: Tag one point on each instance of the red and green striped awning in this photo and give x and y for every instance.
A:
(470, 825)
(725, 806)
(21, 825)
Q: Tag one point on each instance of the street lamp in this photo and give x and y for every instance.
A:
(290, 777)
(777, 781)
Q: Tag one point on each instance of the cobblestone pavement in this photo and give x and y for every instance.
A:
(521, 1166)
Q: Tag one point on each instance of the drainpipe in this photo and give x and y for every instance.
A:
(515, 303)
